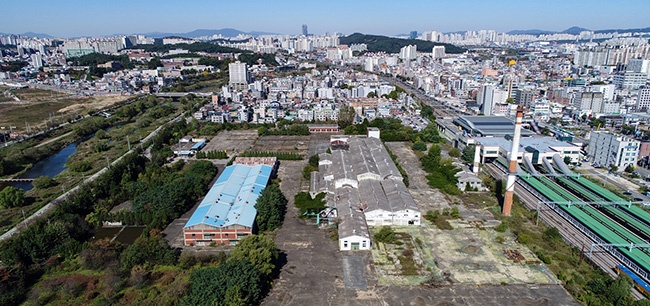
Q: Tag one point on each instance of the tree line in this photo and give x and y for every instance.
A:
(279, 155)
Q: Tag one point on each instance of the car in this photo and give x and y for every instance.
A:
(638, 199)
(627, 193)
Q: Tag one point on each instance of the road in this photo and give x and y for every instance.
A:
(439, 108)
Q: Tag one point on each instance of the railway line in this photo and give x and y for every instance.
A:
(617, 230)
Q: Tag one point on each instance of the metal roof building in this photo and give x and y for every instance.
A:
(486, 126)
(227, 213)
(366, 188)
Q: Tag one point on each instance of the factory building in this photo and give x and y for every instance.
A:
(227, 213)
(363, 184)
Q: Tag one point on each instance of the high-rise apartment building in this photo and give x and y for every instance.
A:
(438, 52)
(238, 73)
(304, 30)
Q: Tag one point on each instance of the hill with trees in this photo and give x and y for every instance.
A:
(377, 43)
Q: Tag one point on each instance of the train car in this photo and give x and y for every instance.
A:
(639, 283)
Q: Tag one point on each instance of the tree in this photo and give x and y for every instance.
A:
(510, 100)
(346, 116)
(567, 160)
(419, 146)
(629, 169)
(259, 250)
(372, 94)
(386, 235)
(152, 248)
(468, 153)
(209, 285)
(154, 63)
(271, 206)
(43, 182)
(12, 197)
(454, 152)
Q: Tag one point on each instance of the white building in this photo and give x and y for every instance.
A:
(238, 73)
(588, 102)
(643, 99)
(630, 79)
(408, 53)
(363, 184)
(607, 149)
(438, 52)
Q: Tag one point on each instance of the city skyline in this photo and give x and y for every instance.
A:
(77, 18)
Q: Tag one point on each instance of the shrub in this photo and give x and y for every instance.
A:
(80, 166)
(419, 146)
(501, 227)
(43, 182)
(386, 235)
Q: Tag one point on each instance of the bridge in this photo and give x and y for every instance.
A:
(17, 180)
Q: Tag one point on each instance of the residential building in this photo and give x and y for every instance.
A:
(643, 99)
(607, 149)
(630, 79)
(438, 52)
(238, 73)
(588, 102)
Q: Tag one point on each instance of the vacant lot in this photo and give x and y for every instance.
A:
(233, 142)
(36, 112)
(296, 144)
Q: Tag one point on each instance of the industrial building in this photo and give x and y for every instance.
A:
(487, 126)
(227, 213)
(363, 184)
(535, 148)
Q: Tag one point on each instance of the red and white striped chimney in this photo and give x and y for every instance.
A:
(514, 152)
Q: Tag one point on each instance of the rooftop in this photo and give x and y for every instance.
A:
(542, 144)
(232, 198)
(489, 126)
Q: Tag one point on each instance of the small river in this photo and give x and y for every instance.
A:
(50, 166)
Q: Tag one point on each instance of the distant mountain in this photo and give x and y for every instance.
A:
(624, 30)
(31, 34)
(530, 32)
(574, 30)
(226, 32)
(378, 43)
(37, 35)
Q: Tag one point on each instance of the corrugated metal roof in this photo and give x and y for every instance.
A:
(232, 198)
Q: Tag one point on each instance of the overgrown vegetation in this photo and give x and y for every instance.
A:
(584, 281)
(441, 220)
(306, 204)
(310, 167)
(441, 171)
(402, 172)
(386, 235)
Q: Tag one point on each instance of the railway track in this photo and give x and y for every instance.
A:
(600, 256)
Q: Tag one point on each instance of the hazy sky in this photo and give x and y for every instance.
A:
(67, 18)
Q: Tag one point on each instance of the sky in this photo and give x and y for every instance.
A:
(72, 18)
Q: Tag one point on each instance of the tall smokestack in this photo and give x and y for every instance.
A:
(514, 152)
